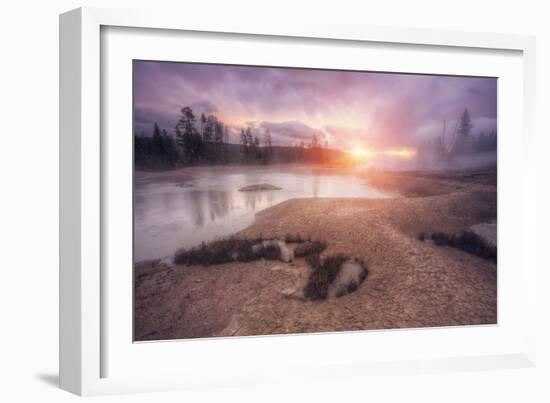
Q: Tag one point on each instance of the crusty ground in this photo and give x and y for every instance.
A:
(410, 283)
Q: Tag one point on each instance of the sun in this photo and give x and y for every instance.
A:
(359, 153)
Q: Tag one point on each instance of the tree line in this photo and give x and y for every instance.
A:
(462, 143)
(467, 143)
(206, 141)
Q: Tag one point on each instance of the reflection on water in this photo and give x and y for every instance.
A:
(205, 203)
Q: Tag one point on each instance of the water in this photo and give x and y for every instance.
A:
(192, 205)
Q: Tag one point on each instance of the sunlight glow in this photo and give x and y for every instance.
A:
(405, 153)
(360, 153)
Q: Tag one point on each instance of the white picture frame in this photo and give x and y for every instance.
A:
(83, 174)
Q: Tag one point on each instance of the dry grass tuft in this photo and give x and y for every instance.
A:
(325, 271)
(308, 248)
(225, 251)
(470, 242)
(467, 241)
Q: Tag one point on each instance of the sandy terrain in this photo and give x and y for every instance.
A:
(410, 283)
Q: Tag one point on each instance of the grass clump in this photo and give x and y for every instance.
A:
(225, 251)
(293, 238)
(470, 242)
(327, 273)
(245, 250)
(323, 274)
(441, 238)
(271, 252)
(216, 252)
(354, 285)
(467, 241)
(324, 271)
(309, 248)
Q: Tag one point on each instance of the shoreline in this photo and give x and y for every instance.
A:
(410, 284)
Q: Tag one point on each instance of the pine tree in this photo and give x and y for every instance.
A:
(209, 129)
(169, 147)
(158, 148)
(268, 143)
(187, 135)
(203, 122)
(226, 134)
(465, 123)
(314, 141)
(218, 139)
(463, 142)
(244, 141)
(258, 151)
(250, 146)
(249, 139)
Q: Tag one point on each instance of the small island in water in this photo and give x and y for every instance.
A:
(258, 187)
(271, 215)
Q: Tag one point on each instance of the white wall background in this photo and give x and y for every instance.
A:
(29, 201)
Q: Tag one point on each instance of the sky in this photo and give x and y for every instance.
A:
(344, 109)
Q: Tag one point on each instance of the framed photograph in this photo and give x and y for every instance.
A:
(243, 203)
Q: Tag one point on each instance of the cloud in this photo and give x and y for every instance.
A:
(349, 138)
(205, 107)
(146, 117)
(380, 109)
(292, 132)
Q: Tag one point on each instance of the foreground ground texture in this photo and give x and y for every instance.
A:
(410, 283)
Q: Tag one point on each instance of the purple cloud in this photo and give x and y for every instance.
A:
(344, 108)
(293, 132)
